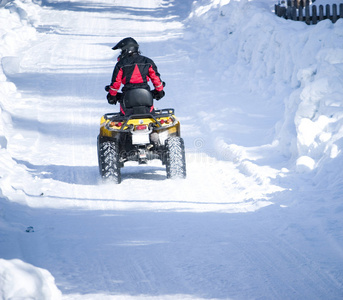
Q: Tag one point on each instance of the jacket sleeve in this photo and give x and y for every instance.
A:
(155, 77)
(117, 78)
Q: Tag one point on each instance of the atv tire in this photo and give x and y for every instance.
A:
(175, 158)
(108, 157)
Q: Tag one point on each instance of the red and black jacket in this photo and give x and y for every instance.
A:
(134, 71)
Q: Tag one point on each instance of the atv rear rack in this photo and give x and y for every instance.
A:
(117, 117)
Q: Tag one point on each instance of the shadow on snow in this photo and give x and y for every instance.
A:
(89, 175)
(179, 9)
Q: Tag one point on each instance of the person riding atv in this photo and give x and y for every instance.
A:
(138, 132)
(133, 71)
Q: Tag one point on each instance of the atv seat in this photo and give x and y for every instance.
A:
(137, 101)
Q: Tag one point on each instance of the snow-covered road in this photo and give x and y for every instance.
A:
(63, 75)
(231, 230)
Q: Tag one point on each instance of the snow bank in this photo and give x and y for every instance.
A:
(19, 280)
(15, 33)
(295, 65)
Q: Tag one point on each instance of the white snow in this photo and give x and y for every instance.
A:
(24, 281)
(259, 215)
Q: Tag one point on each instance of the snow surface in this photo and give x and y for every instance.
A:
(260, 102)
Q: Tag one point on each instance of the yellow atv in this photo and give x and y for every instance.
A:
(140, 137)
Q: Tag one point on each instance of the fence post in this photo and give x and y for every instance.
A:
(321, 12)
(283, 11)
(334, 13)
(341, 10)
(294, 14)
(327, 11)
(289, 12)
(280, 11)
(307, 15)
(314, 14)
(301, 14)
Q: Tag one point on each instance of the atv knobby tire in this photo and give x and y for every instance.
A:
(175, 158)
(108, 156)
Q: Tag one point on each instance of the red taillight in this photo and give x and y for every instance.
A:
(141, 127)
(162, 121)
(115, 124)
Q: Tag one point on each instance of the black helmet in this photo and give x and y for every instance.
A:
(127, 45)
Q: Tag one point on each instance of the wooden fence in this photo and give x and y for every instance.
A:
(302, 11)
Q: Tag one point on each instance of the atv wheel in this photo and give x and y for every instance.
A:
(108, 156)
(175, 158)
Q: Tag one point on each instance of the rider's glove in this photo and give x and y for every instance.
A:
(111, 99)
(158, 94)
